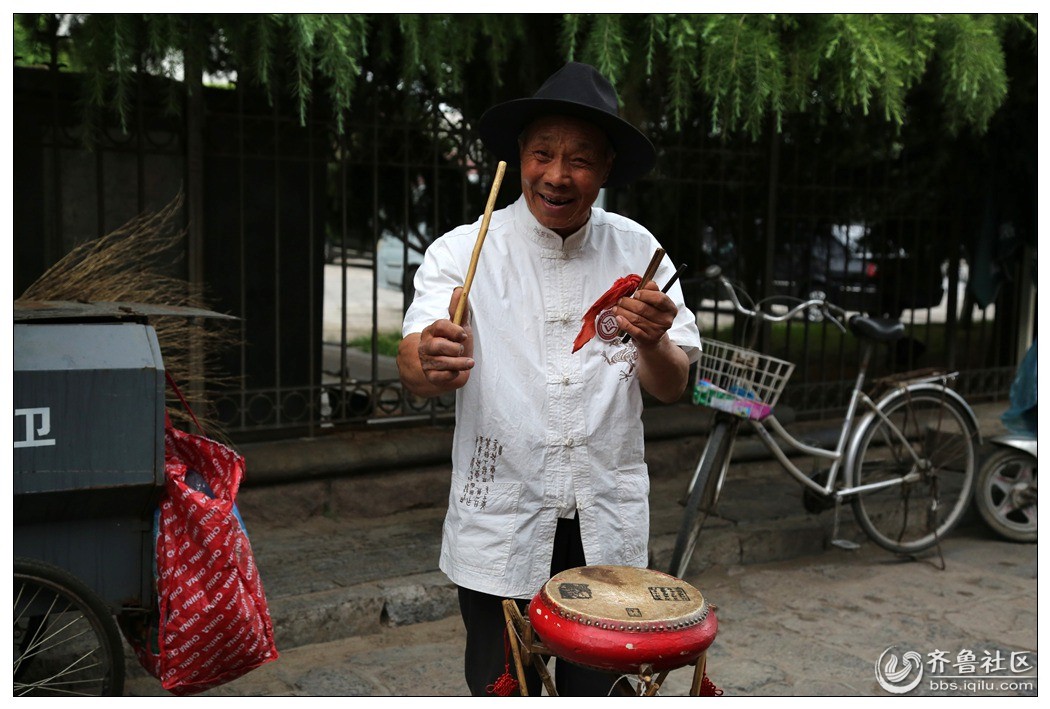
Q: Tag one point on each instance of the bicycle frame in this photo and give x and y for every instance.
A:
(840, 454)
(739, 382)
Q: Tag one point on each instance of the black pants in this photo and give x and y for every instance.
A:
(486, 658)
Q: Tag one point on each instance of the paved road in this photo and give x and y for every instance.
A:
(818, 626)
(358, 304)
(814, 626)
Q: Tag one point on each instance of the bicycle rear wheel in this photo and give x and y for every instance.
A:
(926, 439)
(704, 494)
(66, 642)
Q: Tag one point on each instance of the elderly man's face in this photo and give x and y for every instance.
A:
(564, 162)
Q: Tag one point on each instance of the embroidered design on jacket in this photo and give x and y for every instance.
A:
(628, 354)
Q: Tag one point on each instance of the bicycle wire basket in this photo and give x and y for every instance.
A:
(739, 381)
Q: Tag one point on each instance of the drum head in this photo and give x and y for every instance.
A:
(641, 599)
(619, 617)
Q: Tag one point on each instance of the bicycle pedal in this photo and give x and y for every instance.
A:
(845, 544)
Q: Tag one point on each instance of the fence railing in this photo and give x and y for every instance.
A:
(311, 239)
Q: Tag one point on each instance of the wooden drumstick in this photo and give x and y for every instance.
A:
(462, 307)
(650, 271)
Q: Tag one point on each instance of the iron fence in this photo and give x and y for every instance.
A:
(311, 238)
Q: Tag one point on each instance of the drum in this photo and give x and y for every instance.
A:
(621, 618)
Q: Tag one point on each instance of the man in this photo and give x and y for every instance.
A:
(548, 469)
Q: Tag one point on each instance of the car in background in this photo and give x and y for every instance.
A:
(391, 257)
(829, 263)
(843, 264)
(396, 265)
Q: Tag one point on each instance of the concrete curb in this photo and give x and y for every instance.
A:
(363, 451)
(363, 609)
(342, 454)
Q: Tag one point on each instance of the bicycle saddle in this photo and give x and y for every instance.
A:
(881, 329)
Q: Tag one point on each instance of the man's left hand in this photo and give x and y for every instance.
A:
(647, 316)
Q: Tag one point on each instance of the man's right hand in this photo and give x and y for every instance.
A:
(440, 358)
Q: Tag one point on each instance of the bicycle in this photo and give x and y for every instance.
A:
(905, 456)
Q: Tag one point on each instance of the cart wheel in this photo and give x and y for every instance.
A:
(66, 642)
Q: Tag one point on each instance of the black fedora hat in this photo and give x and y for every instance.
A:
(577, 90)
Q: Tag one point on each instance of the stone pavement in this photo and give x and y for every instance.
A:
(812, 626)
(347, 542)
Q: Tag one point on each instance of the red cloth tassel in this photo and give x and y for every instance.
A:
(708, 688)
(505, 685)
(622, 287)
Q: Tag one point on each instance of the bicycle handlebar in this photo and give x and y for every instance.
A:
(835, 314)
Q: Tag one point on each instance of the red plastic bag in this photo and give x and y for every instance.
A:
(214, 623)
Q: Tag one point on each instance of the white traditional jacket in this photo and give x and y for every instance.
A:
(542, 432)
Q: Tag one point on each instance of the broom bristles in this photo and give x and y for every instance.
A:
(124, 266)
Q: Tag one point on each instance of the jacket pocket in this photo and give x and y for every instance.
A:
(482, 522)
(632, 488)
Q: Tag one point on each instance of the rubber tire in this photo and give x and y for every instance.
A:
(704, 495)
(870, 509)
(987, 489)
(35, 577)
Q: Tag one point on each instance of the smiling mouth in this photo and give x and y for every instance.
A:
(554, 202)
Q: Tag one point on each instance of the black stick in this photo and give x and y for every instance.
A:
(667, 286)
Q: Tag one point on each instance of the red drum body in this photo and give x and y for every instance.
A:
(620, 618)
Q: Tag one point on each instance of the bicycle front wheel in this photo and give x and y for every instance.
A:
(66, 643)
(924, 444)
(707, 484)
